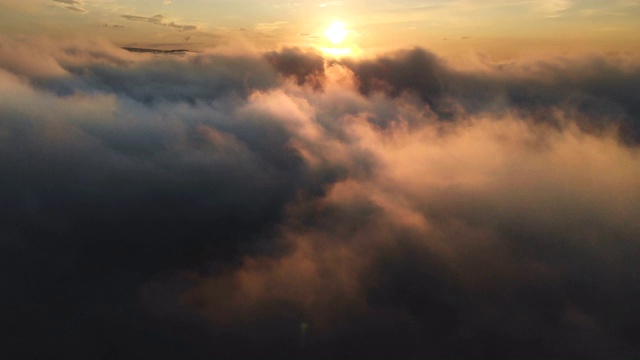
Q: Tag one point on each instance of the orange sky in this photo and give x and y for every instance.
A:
(497, 27)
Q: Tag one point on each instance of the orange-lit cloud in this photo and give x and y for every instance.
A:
(402, 206)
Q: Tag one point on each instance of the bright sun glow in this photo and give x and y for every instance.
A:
(336, 32)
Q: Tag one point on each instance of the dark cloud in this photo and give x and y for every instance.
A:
(600, 90)
(305, 67)
(416, 70)
(208, 205)
(160, 20)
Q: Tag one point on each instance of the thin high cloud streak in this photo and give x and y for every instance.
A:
(71, 5)
(205, 206)
(159, 20)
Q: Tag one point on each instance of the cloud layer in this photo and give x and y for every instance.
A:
(208, 205)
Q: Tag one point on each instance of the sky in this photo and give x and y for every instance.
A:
(444, 180)
(499, 26)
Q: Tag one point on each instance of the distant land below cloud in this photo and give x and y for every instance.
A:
(156, 51)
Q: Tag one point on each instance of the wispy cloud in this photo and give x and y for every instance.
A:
(160, 20)
(553, 8)
(72, 5)
(68, 2)
(270, 26)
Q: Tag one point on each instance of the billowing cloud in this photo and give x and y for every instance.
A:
(305, 67)
(208, 205)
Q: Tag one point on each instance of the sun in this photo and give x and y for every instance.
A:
(340, 40)
(336, 32)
